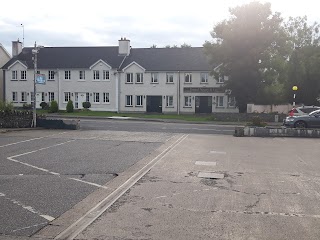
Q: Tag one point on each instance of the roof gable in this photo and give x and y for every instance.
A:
(17, 62)
(100, 61)
(133, 63)
(5, 51)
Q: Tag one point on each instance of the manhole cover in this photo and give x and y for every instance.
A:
(206, 163)
(211, 175)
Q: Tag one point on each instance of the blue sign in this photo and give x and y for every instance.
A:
(41, 79)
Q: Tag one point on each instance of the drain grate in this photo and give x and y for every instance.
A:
(211, 175)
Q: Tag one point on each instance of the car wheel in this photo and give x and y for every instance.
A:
(300, 124)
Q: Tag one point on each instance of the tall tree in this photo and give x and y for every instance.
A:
(248, 48)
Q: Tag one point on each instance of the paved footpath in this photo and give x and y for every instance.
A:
(270, 190)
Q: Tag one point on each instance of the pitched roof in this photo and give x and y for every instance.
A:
(152, 59)
(69, 57)
(169, 59)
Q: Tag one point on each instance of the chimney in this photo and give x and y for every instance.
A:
(16, 48)
(124, 47)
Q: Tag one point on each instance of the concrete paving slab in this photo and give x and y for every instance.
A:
(203, 163)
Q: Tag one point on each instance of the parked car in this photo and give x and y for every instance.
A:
(312, 120)
(303, 110)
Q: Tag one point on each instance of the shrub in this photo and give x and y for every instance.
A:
(53, 107)
(257, 122)
(27, 106)
(69, 106)
(5, 106)
(43, 105)
(86, 105)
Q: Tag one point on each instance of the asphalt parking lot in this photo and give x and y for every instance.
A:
(44, 173)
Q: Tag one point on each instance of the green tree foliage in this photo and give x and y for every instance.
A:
(53, 107)
(69, 107)
(153, 46)
(304, 62)
(6, 106)
(250, 48)
(185, 45)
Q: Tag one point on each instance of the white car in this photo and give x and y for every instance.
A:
(304, 110)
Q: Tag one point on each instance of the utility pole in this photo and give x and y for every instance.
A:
(35, 51)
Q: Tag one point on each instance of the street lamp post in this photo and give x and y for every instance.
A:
(35, 52)
(294, 88)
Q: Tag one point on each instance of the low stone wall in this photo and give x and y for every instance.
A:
(247, 117)
(276, 132)
(15, 119)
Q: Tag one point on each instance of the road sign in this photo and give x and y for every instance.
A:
(40, 79)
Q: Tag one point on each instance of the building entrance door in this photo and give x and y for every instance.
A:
(154, 104)
(203, 104)
(79, 99)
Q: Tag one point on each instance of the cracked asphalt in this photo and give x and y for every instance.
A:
(45, 173)
(270, 190)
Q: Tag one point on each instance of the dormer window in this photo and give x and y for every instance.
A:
(129, 78)
(96, 75)
(139, 78)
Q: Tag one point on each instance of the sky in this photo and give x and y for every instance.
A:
(144, 22)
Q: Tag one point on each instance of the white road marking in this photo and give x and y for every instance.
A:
(205, 163)
(90, 183)
(32, 139)
(217, 152)
(36, 225)
(49, 218)
(28, 208)
(46, 170)
(83, 222)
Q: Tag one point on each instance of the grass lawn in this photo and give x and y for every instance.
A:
(137, 115)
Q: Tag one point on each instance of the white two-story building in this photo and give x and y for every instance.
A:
(118, 78)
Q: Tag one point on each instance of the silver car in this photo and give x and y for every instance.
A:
(312, 120)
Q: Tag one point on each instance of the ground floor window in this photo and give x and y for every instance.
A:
(231, 101)
(169, 101)
(139, 100)
(220, 101)
(42, 97)
(51, 96)
(14, 97)
(187, 101)
(23, 96)
(67, 96)
(96, 97)
(87, 97)
(129, 100)
(106, 97)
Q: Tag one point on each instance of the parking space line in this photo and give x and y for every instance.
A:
(29, 140)
(28, 208)
(12, 158)
(36, 225)
(90, 183)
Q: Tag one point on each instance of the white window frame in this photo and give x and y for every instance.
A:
(154, 78)
(220, 79)
(14, 97)
(82, 75)
(169, 78)
(50, 75)
(188, 101)
(128, 100)
(43, 98)
(87, 97)
(188, 78)
(32, 96)
(139, 100)
(220, 101)
(106, 75)
(67, 97)
(96, 75)
(129, 77)
(14, 75)
(23, 97)
(96, 96)
(169, 101)
(139, 78)
(51, 96)
(106, 97)
(67, 75)
(23, 75)
(204, 77)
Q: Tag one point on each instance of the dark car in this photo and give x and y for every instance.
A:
(306, 121)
